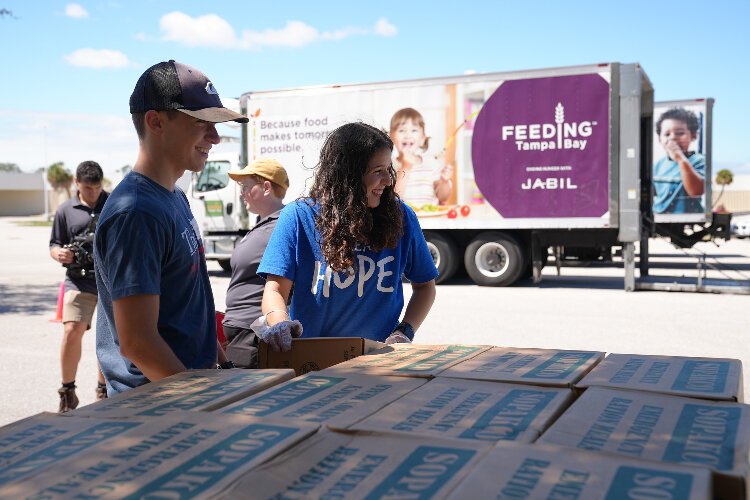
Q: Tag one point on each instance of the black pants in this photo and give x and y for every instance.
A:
(242, 346)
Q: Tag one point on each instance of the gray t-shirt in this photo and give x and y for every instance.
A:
(245, 291)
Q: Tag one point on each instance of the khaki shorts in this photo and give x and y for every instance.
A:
(79, 306)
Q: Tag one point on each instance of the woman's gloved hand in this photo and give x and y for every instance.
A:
(279, 336)
(397, 338)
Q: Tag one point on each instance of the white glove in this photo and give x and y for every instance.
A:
(397, 338)
(279, 336)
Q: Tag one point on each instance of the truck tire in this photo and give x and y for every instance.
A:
(225, 265)
(444, 255)
(494, 259)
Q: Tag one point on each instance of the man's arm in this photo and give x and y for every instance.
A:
(59, 238)
(61, 255)
(136, 319)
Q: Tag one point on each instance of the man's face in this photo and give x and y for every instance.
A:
(88, 192)
(188, 140)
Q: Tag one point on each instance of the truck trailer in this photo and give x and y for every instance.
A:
(524, 164)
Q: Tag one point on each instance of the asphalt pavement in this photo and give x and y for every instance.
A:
(582, 308)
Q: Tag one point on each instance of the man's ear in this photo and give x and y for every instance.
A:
(154, 121)
(267, 187)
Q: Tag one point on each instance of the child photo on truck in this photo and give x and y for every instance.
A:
(679, 176)
(421, 180)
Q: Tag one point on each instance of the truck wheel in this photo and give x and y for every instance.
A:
(225, 265)
(444, 255)
(494, 259)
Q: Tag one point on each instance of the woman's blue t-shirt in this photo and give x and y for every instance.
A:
(366, 303)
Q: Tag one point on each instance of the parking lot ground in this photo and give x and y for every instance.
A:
(584, 307)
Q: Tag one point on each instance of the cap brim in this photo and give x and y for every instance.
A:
(238, 175)
(216, 115)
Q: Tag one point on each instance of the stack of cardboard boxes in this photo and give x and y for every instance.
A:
(416, 421)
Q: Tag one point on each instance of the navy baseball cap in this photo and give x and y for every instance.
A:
(172, 85)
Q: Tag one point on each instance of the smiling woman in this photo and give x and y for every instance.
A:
(345, 248)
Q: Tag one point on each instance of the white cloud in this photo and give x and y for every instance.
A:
(384, 28)
(294, 34)
(32, 139)
(213, 31)
(76, 11)
(98, 59)
(204, 31)
(342, 33)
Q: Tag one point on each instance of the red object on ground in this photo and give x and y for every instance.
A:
(60, 302)
(452, 214)
(220, 329)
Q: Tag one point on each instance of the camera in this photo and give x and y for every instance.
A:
(82, 247)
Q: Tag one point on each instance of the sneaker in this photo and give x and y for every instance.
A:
(68, 399)
(101, 392)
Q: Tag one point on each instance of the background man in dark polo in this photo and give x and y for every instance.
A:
(74, 225)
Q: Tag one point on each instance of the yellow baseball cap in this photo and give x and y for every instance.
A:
(268, 168)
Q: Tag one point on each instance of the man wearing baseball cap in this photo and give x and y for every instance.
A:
(156, 310)
(264, 184)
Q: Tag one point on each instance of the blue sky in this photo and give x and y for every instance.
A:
(69, 68)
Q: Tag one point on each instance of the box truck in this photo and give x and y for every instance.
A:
(217, 205)
(505, 167)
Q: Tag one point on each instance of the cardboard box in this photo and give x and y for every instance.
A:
(33, 444)
(468, 409)
(315, 354)
(663, 428)
(410, 360)
(355, 465)
(204, 390)
(514, 470)
(546, 367)
(334, 400)
(705, 378)
(185, 455)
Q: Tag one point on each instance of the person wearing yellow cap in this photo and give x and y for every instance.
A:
(264, 183)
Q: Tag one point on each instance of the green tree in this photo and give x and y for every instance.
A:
(724, 177)
(60, 177)
(10, 167)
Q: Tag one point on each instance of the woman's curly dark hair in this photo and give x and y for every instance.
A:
(344, 220)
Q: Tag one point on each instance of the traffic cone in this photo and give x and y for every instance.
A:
(60, 301)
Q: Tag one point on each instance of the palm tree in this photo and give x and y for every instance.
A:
(60, 177)
(724, 177)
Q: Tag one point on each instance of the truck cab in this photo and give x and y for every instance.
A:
(218, 208)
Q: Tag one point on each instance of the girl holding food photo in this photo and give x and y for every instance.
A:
(421, 181)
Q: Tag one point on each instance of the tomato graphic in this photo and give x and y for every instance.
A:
(452, 214)
(465, 210)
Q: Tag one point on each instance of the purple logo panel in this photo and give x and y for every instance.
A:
(540, 147)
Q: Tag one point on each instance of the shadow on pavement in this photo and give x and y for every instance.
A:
(28, 299)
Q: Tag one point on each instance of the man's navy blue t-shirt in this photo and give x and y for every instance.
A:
(148, 243)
